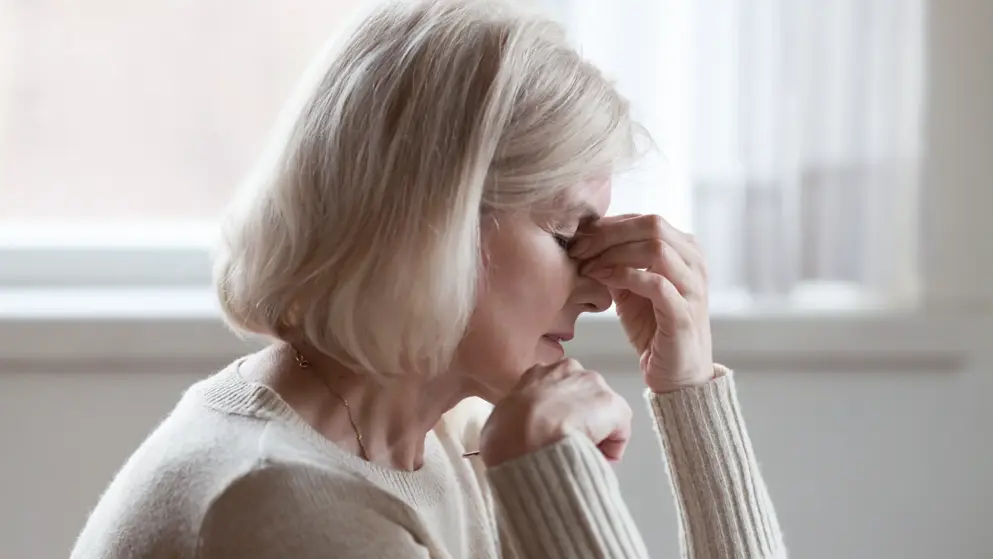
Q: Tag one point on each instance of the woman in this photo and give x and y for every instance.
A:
(424, 238)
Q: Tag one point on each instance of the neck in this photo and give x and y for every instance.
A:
(394, 419)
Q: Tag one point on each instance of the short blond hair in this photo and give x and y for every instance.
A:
(359, 234)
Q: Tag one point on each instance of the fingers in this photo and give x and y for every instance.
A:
(652, 255)
(618, 217)
(665, 297)
(596, 238)
(587, 403)
(612, 430)
(604, 416)
(553, 371)
(609, 231)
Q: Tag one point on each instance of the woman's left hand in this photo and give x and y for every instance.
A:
(658, 280)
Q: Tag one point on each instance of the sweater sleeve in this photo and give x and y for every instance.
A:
(723, 504)
(564, 500)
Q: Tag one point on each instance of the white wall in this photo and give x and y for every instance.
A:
(861, 463)
(62, 436)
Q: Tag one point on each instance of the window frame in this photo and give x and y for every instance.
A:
(60, 255)
(143, 300)
(154, 303)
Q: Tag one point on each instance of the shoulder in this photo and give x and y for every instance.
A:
(279, 509)
(155, 501)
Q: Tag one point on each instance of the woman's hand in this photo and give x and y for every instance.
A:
(658, 280)
(549, 402)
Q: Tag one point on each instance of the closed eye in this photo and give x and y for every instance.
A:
(563, 241)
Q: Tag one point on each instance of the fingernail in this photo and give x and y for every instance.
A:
(601, 273)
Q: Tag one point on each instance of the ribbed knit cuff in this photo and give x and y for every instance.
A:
(564, 501)
(724, 507)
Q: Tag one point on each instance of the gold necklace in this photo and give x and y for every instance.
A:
(304, 364)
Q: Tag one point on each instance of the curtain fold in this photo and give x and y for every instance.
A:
(788, 135)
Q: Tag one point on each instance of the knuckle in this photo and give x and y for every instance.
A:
(601, 386)
(658, 283)
(604, 398)
(656, 225)
(571, 364)
(568, 366)
(533, 373)
(596, 377)
(657, 246)
(618, 404)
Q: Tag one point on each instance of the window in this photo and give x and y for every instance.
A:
(122, 112)
(788, 133)
(125, 127)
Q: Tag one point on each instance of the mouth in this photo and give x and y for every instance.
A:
(558, 337)
(553, 341)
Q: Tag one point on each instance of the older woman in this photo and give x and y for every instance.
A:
(424, 238)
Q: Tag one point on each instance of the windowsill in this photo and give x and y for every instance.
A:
(70, 326)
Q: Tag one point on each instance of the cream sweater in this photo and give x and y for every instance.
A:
(233, 472)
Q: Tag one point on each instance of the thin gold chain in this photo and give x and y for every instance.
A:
(304, 364)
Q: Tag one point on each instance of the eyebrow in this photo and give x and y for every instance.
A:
(582, 212)
(586, 213)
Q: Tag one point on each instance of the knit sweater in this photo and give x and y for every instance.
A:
(234, 472)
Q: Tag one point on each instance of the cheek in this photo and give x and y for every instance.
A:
(520, 300)
(534, 291)
(538, 292)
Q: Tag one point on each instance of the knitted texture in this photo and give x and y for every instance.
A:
(233, 471)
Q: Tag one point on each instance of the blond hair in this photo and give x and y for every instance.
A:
(359, 235)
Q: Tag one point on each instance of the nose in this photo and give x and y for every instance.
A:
(591, 296)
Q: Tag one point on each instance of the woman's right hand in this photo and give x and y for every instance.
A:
(550, 402)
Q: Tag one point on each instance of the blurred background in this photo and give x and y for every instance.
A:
(834, 158)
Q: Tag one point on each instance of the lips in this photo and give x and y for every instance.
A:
(559, 337)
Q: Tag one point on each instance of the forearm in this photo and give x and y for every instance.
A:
(723, 502)
(564, 501)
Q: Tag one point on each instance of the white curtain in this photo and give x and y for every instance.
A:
(787, 133)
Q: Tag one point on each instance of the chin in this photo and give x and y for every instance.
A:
(549, 352)
(494, 394)
(495, 388)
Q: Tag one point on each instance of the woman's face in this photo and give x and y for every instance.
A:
(530, 294)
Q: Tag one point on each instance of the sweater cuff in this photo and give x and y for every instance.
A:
(723, 503)
(564, 501)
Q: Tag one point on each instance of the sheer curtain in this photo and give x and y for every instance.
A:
(787, 135)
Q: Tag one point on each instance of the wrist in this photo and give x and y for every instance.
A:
(506, 441)
(665, 386)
